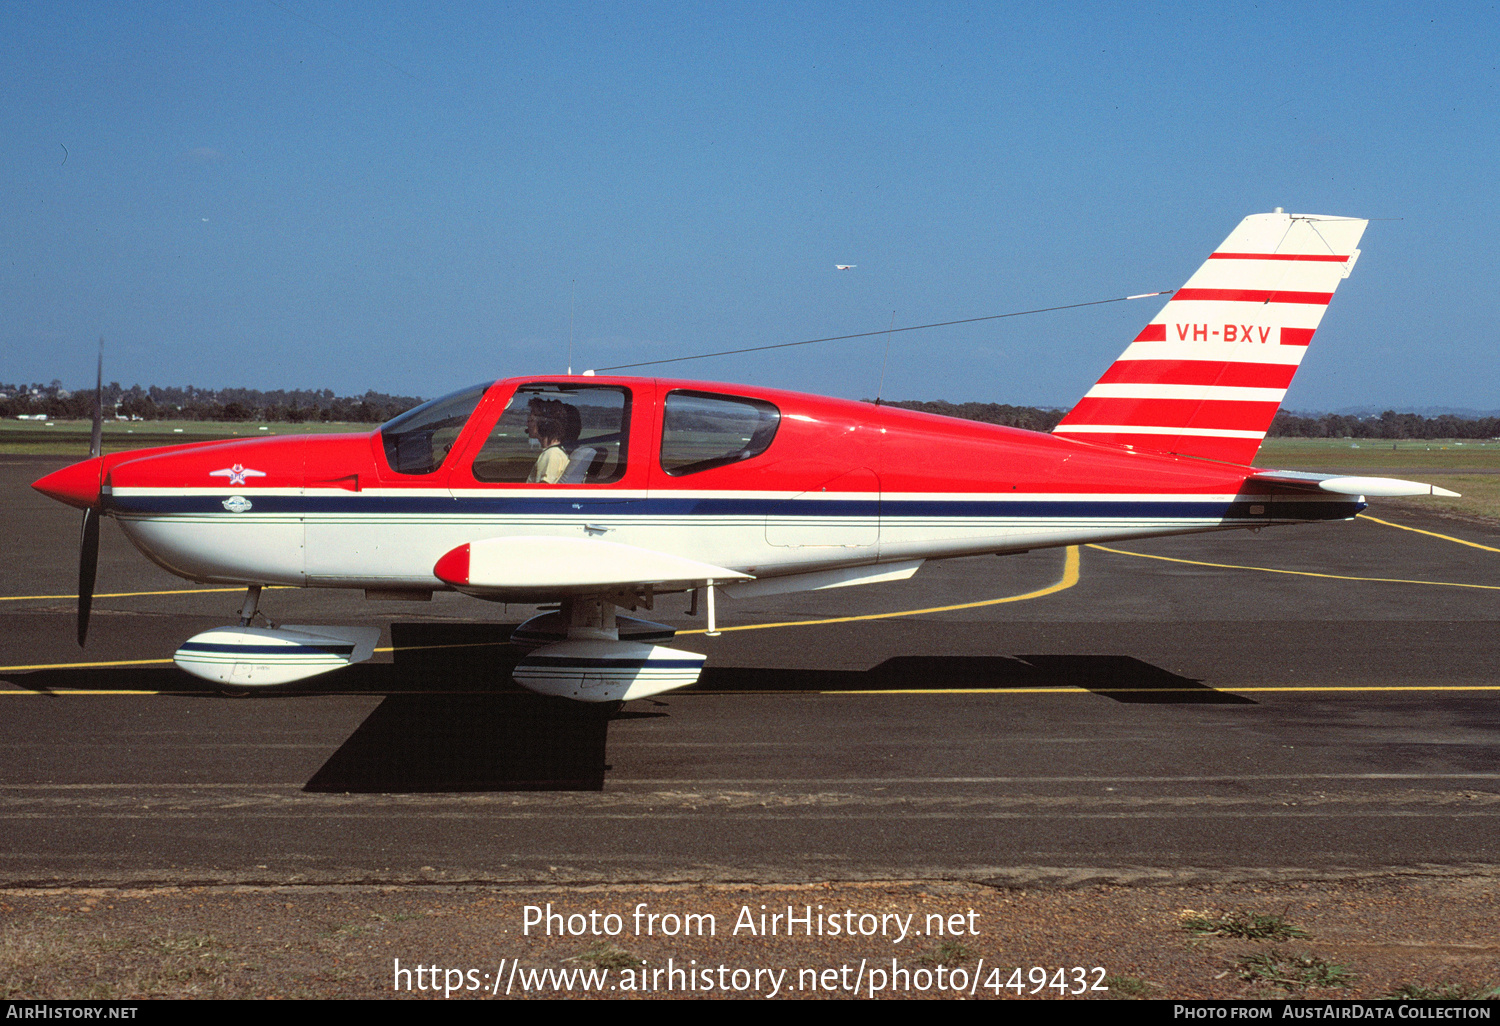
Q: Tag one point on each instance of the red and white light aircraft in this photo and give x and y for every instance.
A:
(604, 493)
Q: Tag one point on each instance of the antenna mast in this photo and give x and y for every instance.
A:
(571, 297)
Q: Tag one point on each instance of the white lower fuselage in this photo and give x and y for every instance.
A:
(391, 538)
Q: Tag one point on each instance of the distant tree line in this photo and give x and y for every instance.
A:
(301, 406)
(298, 406)
(1389, 425)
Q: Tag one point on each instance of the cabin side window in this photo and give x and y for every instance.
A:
(558, 434)
(703, 430)
(418, 441)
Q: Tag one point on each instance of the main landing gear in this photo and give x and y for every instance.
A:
(589, 653)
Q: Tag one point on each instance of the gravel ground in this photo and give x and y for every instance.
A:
(1360, 938)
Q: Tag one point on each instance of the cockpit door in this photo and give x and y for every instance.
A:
(554, 457)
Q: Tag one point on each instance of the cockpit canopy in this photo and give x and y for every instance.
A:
(579, 433)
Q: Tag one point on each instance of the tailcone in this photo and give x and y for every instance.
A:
(77, 485)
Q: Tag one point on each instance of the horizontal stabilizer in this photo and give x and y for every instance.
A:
(563, 565)
(1382, 487)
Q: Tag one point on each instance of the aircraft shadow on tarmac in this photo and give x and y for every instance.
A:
(450, 719)
(456, 723)
(1122, 678)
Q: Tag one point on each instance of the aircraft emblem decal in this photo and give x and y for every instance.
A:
(237, 504)
(237, 473)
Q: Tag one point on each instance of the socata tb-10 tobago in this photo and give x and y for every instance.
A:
(604, 493)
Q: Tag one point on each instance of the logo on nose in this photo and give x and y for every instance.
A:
(237, 473)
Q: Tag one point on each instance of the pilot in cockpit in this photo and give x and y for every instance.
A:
(548, 421)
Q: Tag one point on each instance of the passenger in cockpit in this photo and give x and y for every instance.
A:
(548, 422)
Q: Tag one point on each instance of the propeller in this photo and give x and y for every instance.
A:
(88, 545)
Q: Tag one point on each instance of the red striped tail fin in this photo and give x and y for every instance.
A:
(1206, 376)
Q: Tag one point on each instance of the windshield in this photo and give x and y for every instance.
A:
(418, 441)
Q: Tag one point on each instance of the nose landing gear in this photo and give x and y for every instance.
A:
(246, 657)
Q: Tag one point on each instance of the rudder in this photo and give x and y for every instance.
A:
(1207, 375)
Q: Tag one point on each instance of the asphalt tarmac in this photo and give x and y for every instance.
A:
(1142, 719)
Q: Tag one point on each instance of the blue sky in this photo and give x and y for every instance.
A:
(287, 193)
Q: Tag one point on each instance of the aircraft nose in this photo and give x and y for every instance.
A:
(77, 485)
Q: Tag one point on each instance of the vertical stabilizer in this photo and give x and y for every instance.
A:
(1206, 376)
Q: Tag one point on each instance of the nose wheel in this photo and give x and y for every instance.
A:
(245, 658)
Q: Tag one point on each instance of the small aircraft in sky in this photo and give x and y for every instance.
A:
(844, 267)
(600, 495)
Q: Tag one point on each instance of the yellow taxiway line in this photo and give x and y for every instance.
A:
(134, 594)
(1295, 573)
(1016, 598)
(1063, 690)
(83, 666)
(1430, 534)
(159, 662)
(1103, 689)
(71, 692)
(1068, 579)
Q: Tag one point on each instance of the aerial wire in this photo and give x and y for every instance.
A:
(885, 331)
(880, 389)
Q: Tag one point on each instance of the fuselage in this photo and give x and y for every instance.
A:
(761, 481)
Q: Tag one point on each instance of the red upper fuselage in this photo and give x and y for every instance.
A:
(837, 444)
(805, 483)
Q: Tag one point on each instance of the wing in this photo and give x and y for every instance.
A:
(519, 568)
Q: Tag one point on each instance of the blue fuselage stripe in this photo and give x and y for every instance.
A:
(825, 509)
